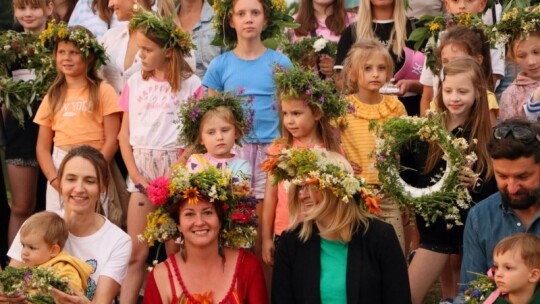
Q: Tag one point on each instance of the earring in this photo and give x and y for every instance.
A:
(135, 7)
(183, 253)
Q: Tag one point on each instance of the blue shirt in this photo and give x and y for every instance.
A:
(488, 223)
(229, 73)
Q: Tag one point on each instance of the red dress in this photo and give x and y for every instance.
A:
(248, 285)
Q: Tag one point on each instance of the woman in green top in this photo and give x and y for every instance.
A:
(333, 251)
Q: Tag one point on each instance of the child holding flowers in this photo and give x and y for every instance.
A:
(213, 125)
(148, 137)
(21, 132)
(519, 28)
(367, 68)
(79, 108)
(307, 105)
(243, 25)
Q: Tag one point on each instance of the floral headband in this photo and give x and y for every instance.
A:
(80, 36)
(517, 23)
(432, 28)
(219, 187)
(302, 166)
(295, 81)
(193, 111)
(162, 28)
(277, 20)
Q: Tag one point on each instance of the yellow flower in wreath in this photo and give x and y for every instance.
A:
(192, 195)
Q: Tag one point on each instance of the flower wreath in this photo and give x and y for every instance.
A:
(274, 31)
(162, 28)
(431, 28)
(480, 288)
(434, 201)
(238, 229)
(302, 50)
(78, 35)
(193, 111)
(20, 96)
(517, 23)
(33, 282)
(296, 81)
(303, 166)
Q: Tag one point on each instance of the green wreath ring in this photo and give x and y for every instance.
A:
(446, 197)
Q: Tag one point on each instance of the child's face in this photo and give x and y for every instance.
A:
(218, 136)
(152, 55)
(458, 94)
(69, 60)
(457, 7)
(35, 250)
(451, 51)
(511, 274)
(33, 18)
(299, 120)
(527, 56)
(248, 19)
(373, 73)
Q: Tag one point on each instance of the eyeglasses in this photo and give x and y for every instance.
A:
(518, 132)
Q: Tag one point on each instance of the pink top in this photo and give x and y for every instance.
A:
(515, 96)
(324, 31)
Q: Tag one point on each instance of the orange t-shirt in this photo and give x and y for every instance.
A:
(75, 122)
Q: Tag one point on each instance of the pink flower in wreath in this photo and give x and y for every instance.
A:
(158, 191)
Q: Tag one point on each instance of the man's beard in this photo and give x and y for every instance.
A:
(526, 199)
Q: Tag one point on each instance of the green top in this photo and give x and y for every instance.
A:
(333, 271)
(534, 300)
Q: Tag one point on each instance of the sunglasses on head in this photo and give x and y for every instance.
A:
(517, 132)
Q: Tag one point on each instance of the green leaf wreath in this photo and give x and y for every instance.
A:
(34, 283)
(305, 51)
(447, 196)
(22, 49)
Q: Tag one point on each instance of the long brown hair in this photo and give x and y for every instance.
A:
(472, 41)
(478, 121)
(58, 90)
(336, 22)
(101, 7)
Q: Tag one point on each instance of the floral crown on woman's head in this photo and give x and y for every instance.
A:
(79, 36)
(193, 111)
(311, 167)
(277, 20)
(238, 229)
(163, 29)
(298, 82)
(516, 23)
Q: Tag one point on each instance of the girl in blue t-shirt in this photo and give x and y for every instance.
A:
(248, 67)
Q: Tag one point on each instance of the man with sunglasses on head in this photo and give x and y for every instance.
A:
(515, 151)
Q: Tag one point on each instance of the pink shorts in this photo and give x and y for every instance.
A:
(255, 154)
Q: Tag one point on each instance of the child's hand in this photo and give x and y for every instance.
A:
(268, 250)
(7, 300)
(356, 168)
(141, 180)
(326, 65)
(468, 177)
(63, 298)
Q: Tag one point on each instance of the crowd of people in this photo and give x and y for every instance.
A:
(187, 124)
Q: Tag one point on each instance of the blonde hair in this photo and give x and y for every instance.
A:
(527, 244)
(346, 218)
(224, 113)
(54, 228)
(398, 36)
(478, 120)
(358, 54)
(324, 129)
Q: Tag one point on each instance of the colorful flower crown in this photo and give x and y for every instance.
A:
(432, 28)
(296, 82)
(162, 28)
(517, 23)
(233, 196)
(35, 283)
(193, 111)
(303, 166)
(78, 35)
(306, 48)
(278, 19)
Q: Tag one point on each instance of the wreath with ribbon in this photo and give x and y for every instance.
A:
(446, 197)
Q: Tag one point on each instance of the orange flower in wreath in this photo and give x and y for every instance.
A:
(192, 195)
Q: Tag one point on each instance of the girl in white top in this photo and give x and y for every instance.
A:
(148, 136)
(83, 176)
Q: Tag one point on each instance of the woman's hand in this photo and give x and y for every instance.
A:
(268, 250)
(64, 298)
(468, 177)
